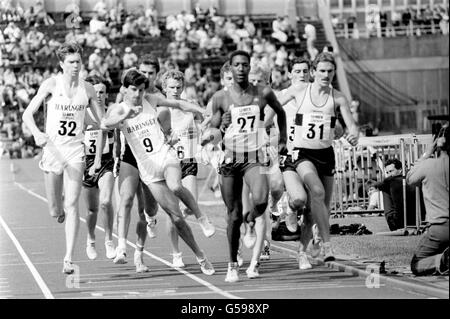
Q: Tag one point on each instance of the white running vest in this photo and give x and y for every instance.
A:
(246, 131)
(65, 116)
(314, 125)
(290, 109)
(143, 133)
(183, 125)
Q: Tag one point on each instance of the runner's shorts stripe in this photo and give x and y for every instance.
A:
(188, 168)
(237, 164)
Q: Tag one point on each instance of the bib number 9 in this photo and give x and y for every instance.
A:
(67, 128)
(148, 145)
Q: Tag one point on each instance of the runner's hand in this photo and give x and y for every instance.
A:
(352, 139)
(94, 168)
(282, 149)
(226, 119)
(41, 139)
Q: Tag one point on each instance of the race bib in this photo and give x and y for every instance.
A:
(90, 142)
(187, 145)
(316, 126)
(245, 119)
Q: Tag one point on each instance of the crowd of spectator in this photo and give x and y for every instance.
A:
(426, 20)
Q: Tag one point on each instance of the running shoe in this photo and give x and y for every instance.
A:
(253, 270)
(61, 218)
(151, 227)
(207, 227)
(177, 261)
(206, 267)
(121, 256)
(110, 249)
(68, 267)
(232, 273)
(240, 260)
(139, 262)
(316, 242)
(303, 262)
(328, 252)
(265, 254)
(90, 251)
(291, 220)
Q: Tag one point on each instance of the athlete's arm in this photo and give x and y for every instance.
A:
(44, 90)
(268, 117)
(273, 102)
(353, 128)
(114, 117)
(287, 96)
(164, 119)
(178, 104)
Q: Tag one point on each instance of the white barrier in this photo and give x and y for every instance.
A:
(356, 166)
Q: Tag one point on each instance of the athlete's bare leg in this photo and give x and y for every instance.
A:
(313, 183)
(106, 186)
(170, 203)
(231, 189)
(53, 185)
(73, 175)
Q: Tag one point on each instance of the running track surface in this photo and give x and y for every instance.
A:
(32, 246)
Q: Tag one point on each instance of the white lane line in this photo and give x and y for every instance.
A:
(28, 262)
(188, 274)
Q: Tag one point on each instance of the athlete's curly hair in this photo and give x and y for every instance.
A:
(68, 48)
(171, 74)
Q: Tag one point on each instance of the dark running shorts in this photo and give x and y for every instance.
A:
(238, 164)
(92, 181)
(128, 157)
(188, 168)
(323, 160)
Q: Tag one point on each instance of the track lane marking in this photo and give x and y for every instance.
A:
(209, 285)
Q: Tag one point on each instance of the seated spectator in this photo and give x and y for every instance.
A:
(129, 58)
(101, 9)
(95, 60)
(34, 39)
(129, 28)
(278, 29)
(41, 14)
(113, 60)
(97, 25)
(375, 196)
(431, 255)
(184, 52)
(392, 188)
(249, 26)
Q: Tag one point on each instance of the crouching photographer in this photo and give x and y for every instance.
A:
(431, 255)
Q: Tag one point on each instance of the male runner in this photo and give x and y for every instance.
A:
(185, 129)
(98, 189)
(243, 106)
(312, 156)
(157, 163)
(63, 150)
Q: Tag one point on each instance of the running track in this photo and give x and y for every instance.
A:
(32, 247)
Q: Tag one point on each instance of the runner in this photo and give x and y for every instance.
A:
(239, 114)
(98, 189)
(312, 156)
(185, 129)
(63, 150)
(129, 178)
(299, 71)
(158, 165)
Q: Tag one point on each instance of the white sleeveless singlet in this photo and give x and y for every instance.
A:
(314, 125)
(143, 133)
(183, 125)
(65, 116)
(246, 132)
